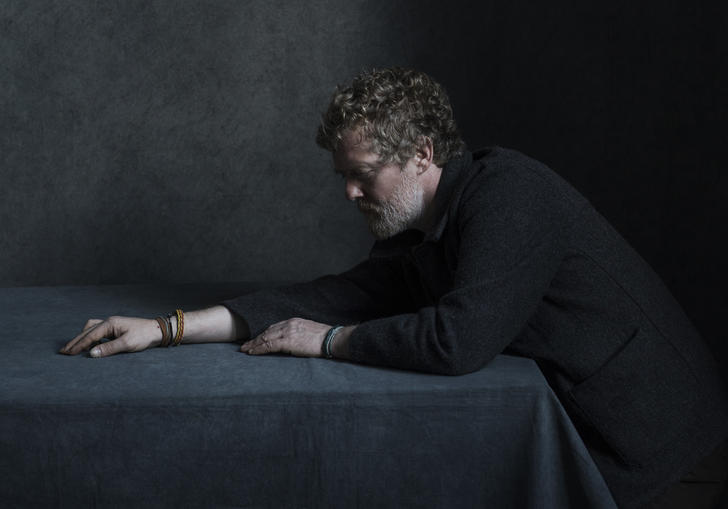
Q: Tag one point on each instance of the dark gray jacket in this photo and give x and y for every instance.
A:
(520, 262)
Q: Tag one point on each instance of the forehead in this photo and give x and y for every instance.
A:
(354, 150)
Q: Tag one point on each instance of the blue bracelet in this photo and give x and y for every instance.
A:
(326, 345)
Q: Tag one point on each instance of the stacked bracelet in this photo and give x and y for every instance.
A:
(171, 330)
(165, 324)
(328, 339)
(164, 327)
(180, 326)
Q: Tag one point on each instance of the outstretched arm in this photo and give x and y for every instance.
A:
(296, 318)
(215, 324)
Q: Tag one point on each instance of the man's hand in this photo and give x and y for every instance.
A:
(128, 334)
(295, 336)
(214, 324)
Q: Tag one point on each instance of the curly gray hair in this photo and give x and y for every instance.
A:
(394, 108)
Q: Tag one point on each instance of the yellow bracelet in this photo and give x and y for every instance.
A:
(180, 327)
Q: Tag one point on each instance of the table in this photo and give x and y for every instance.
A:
(207, 426)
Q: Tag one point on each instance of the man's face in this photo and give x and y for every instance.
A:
(389, 196)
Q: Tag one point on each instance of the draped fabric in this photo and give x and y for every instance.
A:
(207, 426)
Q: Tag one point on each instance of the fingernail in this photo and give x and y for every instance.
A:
(95, 352)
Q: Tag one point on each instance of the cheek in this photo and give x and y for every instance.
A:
(377, 192)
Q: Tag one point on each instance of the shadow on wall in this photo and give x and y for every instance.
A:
(624, 100)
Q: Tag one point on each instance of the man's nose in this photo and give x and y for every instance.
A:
(352, 191)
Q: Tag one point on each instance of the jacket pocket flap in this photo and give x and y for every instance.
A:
(641, 399)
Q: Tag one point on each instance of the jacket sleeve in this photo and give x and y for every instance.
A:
(512, 229)
(370, 290)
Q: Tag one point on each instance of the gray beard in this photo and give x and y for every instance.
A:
(398, 213)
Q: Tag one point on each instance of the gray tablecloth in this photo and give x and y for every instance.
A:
(207, 426)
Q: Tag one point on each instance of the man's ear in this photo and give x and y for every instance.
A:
(424, 153)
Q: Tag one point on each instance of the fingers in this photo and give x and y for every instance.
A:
(109, 348)
(267, 342)
(92, 323)
(295, 336)
(92, 333)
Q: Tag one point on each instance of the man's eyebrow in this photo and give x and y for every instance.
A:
(358, 167)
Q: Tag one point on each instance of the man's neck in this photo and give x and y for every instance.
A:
(429, 179)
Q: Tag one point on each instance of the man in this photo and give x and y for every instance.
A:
(478, 254)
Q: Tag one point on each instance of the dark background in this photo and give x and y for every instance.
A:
(173, 140)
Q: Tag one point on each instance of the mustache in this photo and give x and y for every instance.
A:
(367, 206)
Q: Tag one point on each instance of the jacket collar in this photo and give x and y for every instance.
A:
(452, 174)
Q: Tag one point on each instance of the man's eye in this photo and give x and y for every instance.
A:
(361, 175)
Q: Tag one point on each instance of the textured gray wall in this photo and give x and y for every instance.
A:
(173, 140)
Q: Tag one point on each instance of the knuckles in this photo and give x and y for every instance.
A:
(295, 325)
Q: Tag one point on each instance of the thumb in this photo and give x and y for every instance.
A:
(109, 348)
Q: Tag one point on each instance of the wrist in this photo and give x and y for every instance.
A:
(171, 328)
(329, 337)
(162, 329)
(340, 343)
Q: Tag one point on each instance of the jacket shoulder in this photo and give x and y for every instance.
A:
(514, 180)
